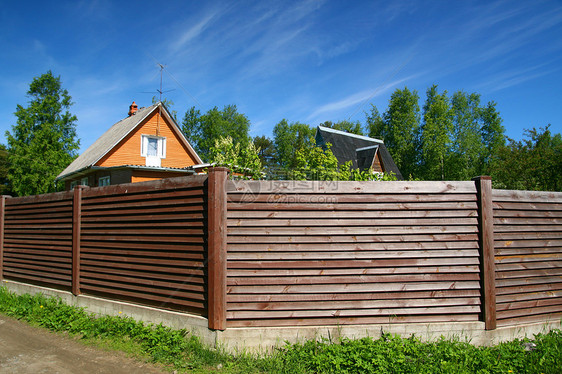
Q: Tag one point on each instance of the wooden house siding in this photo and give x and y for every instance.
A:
(128, 151)
(377, 163)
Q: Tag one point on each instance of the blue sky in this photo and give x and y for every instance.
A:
(307, 61)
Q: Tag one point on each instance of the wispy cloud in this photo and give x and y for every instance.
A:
(356, 98)
(193, 32)
(514, 77)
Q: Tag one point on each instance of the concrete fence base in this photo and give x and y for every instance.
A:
(262, 339)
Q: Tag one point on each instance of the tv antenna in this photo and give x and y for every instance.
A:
(160, 92)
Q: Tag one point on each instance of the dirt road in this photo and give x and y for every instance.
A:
(26, 349)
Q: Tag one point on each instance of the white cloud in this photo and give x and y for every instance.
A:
(193, 31)
(356, 98)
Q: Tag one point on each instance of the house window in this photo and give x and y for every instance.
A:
(73, 184)
(104, 181)
(154, 149)
(84, 181)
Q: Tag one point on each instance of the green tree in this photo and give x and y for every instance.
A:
(240, 159)
(374, 125)
(315, 163)
(467, 140)
(5, 187)
(435, 135)
(400, 129)
(203, 130)
(347, 126)
(534, 163)
(266, 150)
(288, 138)
(492, 134)
(43, 140)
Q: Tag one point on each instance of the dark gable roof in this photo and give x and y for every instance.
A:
(361, 150)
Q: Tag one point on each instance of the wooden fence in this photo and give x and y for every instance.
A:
(141, 242)
(289, 253)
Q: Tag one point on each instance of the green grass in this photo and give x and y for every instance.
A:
(181, 351)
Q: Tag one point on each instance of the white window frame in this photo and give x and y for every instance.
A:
(104, 181)
(84, 181)
(161, 150)
(73, 184)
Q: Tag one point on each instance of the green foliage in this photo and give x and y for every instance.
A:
(182, 351)
(392, 354)
(266, 151)
(240, 159)
(203, 130)
(5, 186)
(315, 163)
(401, 124)
(435, 136)
(43, 140)
(534, 163)
(458, 138)
(467, 141)
(288, 139)
(374, 123)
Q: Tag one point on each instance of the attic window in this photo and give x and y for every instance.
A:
(154, 149)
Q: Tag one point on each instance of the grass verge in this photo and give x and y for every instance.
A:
(178, 350)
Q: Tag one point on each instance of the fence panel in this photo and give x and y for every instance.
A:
(146, 243)
(327, 253)
(528, 250)
(38, 239)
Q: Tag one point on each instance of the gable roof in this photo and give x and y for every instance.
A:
(116, 134)
(360, 150)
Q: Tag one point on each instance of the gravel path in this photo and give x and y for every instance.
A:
(27, 349)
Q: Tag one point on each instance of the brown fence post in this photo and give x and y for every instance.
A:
(216, 251)
(2, 217)
(487, 258)
(76, 227)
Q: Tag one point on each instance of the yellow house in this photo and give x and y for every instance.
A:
(146, 145)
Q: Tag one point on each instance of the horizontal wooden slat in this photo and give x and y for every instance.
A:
(41, 278)
(364, 222)
(163, 301)
(353, 207)
(349, 256)
(150, 267)
(527, 206)
(385, 243)
(530, 304)
(333, 231)
(119, 205)
(376, 269)
(354, 304)
(530, 196)
(197, 289)
(339, 198)
(145, 187)
(304, 187)
(166, 194)
(335, 288)
(513, 321)
(350, 279)
(371, 214)
(347, 239)
(337, 321)
(353, 313)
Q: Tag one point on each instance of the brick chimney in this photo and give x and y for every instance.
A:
(133, 109)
